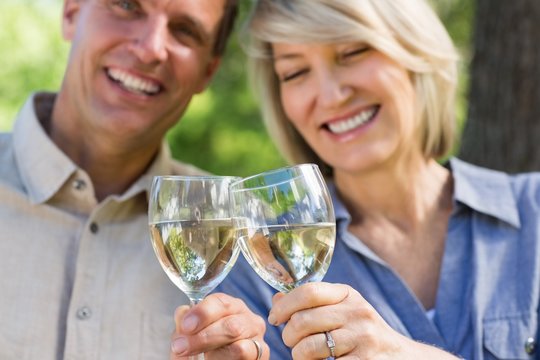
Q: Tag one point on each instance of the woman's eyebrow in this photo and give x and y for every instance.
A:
(285, 56)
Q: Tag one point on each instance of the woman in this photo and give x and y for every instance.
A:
(428, 257)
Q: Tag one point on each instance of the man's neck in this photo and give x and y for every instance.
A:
(113, 164)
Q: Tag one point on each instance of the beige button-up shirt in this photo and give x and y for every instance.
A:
(78, 278)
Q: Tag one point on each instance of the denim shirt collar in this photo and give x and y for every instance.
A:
(483, 190)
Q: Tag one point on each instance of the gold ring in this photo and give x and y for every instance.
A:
(259, 349)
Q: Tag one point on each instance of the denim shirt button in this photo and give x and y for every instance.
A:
(530, 346)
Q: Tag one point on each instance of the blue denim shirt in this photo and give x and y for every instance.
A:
(489, 288)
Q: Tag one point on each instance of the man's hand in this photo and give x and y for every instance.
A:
(220, 326)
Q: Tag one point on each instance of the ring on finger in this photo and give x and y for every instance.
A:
(330, 343)
(259, 349)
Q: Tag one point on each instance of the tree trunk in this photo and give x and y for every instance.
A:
(503, 126)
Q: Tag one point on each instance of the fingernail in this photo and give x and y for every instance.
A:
(190, 323)
(179, 345)
(272, 319)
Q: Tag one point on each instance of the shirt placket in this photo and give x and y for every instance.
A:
(85, 310)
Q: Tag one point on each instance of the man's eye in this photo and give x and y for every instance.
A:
(187, 34)
(184, 30)
(126, 5)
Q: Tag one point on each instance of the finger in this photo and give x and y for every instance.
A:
(314, 321)
(228, 330)
(242, 349)
(318, 346)
(211, 309)
(306, 296)
(220, 334)
(179, 314)
(277, 296)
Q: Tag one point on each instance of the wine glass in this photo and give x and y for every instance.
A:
(192, 233)
(286, 224)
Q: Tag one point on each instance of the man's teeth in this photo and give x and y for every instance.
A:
(132, 83)
(339, 127)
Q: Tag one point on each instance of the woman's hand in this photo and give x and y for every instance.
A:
(220, 326)
(357, 330)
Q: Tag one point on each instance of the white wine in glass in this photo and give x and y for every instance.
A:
(192, 232)
(286, 224)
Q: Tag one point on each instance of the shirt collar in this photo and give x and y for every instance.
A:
(483, 190)
(43, 166)
(162, 165)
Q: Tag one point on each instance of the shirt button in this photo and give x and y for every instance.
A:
(84, 313)
(79, 184)
(530, 346)
(94, 228)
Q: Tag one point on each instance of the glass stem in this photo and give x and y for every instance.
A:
(192, 303)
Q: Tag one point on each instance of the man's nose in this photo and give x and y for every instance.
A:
(150, 42)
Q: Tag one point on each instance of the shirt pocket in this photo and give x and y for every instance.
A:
(155, 342)
(505, 337)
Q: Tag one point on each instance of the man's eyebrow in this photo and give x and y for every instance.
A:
(201, 35)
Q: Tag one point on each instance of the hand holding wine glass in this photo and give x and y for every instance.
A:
(191, 231)
(286, 224)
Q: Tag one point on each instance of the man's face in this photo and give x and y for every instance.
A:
(135, 64)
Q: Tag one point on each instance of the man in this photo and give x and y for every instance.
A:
(79, 279)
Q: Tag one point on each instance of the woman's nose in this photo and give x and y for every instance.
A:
(333, 89)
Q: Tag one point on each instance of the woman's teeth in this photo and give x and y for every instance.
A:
(132, 83)
(339, 127)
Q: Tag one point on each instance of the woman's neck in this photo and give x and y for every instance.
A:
(402, 216)
(405, 196)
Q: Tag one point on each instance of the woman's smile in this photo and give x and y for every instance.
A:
(354, 122)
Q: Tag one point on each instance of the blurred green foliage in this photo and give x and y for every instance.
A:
(221, 131)
(33, 53)
(457, 16)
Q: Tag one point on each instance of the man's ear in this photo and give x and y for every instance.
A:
(210, 70)
(69, 18)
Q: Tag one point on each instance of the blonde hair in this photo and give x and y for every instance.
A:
(407, 31)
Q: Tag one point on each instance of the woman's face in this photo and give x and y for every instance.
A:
(353, 105)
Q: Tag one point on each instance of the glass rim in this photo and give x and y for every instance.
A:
(273, 171)
(196, 177)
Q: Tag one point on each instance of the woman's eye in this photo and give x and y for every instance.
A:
(293, 75)
(354, 52)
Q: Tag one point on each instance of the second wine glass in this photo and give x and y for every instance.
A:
(286, 224)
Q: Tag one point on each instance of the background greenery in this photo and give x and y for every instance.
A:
(221, 131)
